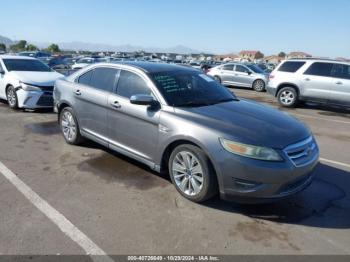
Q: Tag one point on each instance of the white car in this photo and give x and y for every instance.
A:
(26, 82)
(83, 62)
(311, 79)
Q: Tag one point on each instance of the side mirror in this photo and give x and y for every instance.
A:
(146, 100)
(2, 71)
(249, 73)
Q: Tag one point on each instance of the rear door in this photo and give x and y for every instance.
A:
(317, 83)
(341, 82)
(227, 74)
(91, 95)
(132, 128)
(2, 82)
(243, 76)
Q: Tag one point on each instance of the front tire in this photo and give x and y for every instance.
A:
(259, 85)
(192, 174)
(69, 126)
(12, 98)
(217, 79)
(288, 97)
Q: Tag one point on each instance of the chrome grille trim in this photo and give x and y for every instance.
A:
(302, 153)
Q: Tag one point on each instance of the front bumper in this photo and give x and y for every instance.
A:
(34, 99)
(248, 180)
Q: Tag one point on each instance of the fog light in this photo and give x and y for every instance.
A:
(244, 185)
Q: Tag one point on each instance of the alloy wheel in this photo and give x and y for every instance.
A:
(187, 173)
(287, 97)
(259, 85)
(11, 97)
(69, 127)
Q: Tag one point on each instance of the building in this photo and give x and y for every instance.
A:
(273, 59)
(298, 54)
(250, 55)
(226, 58)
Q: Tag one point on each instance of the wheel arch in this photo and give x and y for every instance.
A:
(282, 85)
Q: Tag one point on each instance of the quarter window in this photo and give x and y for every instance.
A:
(104, 78)
(291, 66)
(341, 71)
(319, 69)
(130, 84)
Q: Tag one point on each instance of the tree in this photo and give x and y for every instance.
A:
(20, 46)
(282, 54)
(53, 48)
(259, 55)
(31, 47)
(2, 47)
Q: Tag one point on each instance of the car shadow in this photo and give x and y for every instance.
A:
(325, 203)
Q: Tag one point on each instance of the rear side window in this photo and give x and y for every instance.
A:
(85, 78)
(228, 67)
(319, 69)
(291, 66)
(130, 84)
(104, 78)
(341, 71)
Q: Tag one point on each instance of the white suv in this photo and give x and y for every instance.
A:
(316, 80)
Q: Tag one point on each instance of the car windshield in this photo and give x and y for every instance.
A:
(190, 88)
(26, 65)
(256, 69)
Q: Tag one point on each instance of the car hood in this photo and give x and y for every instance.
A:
(248, 122)
(36, 78)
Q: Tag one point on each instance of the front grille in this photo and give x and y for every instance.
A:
(46, 88)
(45, 100)
(303, 152)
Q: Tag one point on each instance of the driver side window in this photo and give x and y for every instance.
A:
(241, 69)
(130, 84)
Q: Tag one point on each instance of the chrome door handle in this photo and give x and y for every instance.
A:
(78, 93)
(339, 83)
(116, 104)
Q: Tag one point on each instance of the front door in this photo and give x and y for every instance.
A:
(132, 128)
(244, 76)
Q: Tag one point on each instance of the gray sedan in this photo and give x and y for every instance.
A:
(239, 74)
(177, 120)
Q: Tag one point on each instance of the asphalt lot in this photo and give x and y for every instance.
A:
(124, 208)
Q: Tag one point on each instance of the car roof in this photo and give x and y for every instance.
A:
(16, 57)
(151, 67)
(314, 59)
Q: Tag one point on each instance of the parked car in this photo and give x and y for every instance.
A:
(83, 62)
(58, 63)
(316, 80)
(26, 82)
(35, 54)
(177, 119)
(239, 74)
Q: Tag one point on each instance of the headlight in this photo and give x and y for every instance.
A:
(27, 87)
(257, 152)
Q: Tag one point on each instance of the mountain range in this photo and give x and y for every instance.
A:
(96, 47)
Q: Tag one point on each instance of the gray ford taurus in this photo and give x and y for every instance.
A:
(176, 119)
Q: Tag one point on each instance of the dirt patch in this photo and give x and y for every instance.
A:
(259, 232)
(112, 168)
(43, 128)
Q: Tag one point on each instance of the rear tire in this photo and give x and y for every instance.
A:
(12, 98)
(288, 97)
(192, 173)
(259, 85)
(70, 127)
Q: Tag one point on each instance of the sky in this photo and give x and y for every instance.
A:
(320, 27)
